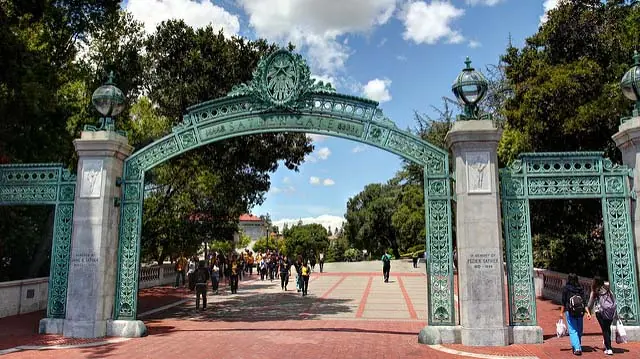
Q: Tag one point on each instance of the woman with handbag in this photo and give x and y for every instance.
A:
(603, 303)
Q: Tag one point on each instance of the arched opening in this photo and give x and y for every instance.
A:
(282, 97)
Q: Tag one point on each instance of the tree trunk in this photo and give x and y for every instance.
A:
(44, 248)
(160, 258)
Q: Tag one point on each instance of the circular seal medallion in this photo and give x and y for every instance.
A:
(281, 78)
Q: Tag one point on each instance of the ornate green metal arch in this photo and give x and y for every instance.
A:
(282, 97)
(564, 176)
(46, 184)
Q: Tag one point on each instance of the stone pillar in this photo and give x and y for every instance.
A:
(628, 141)
(94, 243)
(481, 280)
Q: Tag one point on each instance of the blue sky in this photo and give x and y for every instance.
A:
(404, 54)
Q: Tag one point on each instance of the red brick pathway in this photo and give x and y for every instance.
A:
(260, 334)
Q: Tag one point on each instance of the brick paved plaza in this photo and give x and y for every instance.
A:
(349, 313)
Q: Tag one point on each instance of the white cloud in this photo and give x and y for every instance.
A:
(328, 182)
(359, 148)
(484, 2)
(325, 220)
(321, 154)
(277, 190)
(474, 44)
(324, 153)
(318, 26)
(382, 42)
(286, 180)
(378, 90)
(548, 5)
(314, 180)
(401, 58)
(316, 138)
(195, 13)
(429, 23)
(326, 79)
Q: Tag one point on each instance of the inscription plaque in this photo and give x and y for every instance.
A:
(91, 185)
(480, 261)
(349, 128)
(84, 259)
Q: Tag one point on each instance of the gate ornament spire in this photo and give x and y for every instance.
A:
(281, 80)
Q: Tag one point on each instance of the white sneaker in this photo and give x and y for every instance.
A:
(608, 352)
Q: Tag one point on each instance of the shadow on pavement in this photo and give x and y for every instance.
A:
(252, 306)
(167, 329)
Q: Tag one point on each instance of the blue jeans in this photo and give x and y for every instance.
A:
(575, 330)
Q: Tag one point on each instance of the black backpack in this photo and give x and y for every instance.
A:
(576, 306)
(201, 276)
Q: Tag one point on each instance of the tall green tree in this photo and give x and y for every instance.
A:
(306, 240)
(566, 97)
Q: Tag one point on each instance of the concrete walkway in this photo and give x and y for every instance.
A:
(349, 313)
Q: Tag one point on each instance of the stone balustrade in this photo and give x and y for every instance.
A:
(30, 295)
(154, 276)
(549, 284)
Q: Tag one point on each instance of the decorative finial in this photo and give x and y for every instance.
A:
(110, 78)
(468, 63)
(636, 58)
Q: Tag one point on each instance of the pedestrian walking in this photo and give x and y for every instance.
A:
(604, 306)
(386, 266)
(201, 277)
(215, 277)
(306, 270)
(235, 267)
(284, 268)
(180, 268)
(321, 261)
(573, 310)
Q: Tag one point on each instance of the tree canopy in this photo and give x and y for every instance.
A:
(56, 53)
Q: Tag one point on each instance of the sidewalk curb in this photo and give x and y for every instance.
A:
(54, 347)
(440, 348)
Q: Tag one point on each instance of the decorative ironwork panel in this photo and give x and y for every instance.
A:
(46, 184)
(60, 254)
(440, 285)
(621, 261)
(562, 176)
(282, 97)
(587, 186)
(129, 252)
(522, 294)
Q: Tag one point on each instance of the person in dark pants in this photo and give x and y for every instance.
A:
(321, 261)
(305, 278)
(284, 267)
(201, 277)
(234, 266)
(604, 305)
(386, 266)
(415, 259)
(215, 277)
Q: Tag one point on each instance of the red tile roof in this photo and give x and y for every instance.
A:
(249, 218)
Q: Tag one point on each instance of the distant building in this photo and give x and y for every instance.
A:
(251, 226)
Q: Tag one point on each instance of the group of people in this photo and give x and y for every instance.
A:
(234, 266)
(601, 304)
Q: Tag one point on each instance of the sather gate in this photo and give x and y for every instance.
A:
(282, 97)
(93, 286)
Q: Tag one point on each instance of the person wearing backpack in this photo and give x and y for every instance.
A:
(605, 308)
(201, 277)
(573, 310)
(386, 266)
